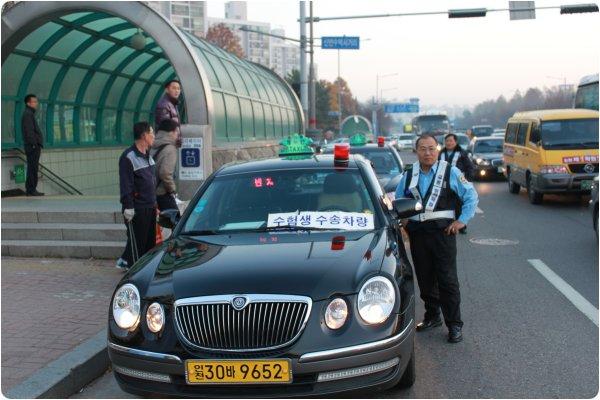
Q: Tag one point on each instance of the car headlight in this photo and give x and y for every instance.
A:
(482, 161)
(126, 307)
(376, 300)
(155, 317)
(336, 313)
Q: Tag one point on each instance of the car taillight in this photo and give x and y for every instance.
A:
(554, 169)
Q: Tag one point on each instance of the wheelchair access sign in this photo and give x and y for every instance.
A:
(190, 161)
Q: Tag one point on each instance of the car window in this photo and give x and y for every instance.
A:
(522, 133)
(511, 133)
(244, 201)
(488, 146)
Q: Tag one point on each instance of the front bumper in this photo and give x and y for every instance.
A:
(561, 183)
(143, 372)
(488, 171)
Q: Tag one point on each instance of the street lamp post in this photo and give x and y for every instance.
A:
(376, 101)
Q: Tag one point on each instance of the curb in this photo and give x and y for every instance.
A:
(68, 374)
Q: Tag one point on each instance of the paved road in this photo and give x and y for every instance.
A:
(523, 337)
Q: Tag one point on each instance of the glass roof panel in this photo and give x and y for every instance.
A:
(125, 34)
(94, 89)
(36, 39)
(136, 63)
(42, 79)
(74, 16)
(92, 53)
(151, 70)
(116, 58)
(104, 23)
(65, 46)
(71, 83)
(10, 82)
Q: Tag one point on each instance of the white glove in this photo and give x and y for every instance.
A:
(128, 214)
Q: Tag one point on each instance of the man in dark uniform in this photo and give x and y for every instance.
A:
(457, 157)
(439, 186)
(33, 141)
(137, 181)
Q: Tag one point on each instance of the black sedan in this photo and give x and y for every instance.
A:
(386, 162)
(486, 154)
(284, 277)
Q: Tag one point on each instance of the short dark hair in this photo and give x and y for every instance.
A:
(167, 125)
(29, 97)
(452, 135)
(424, 136)
(139, 128)
(171, 81)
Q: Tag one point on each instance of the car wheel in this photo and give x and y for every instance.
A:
(409, 376)
(513, 188)
(534, 197)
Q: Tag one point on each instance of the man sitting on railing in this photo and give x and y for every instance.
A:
(33, 141)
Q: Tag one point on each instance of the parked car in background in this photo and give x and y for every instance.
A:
(499, 132)
(404, 141)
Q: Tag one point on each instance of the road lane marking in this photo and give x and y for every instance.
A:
(478, 211)
(567, 290)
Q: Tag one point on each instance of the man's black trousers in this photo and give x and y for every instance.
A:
(33, 162)
(434, 256)
(143, 227)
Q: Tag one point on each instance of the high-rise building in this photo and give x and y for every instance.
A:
(189, 16)
(285, 56)
(236, 10)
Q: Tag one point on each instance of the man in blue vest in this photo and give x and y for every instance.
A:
(440, 187)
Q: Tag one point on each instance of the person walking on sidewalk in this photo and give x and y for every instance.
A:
(33, 141)
(164, 152)
(137, 182)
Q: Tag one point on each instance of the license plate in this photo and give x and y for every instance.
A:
(500, 170)
(586, 185)
(198, 372)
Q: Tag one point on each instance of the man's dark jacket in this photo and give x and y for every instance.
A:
(137, 179)
(463, 163)
(32, 134)
(166, 108)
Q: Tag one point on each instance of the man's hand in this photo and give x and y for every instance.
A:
(128, 214)
(454, 228)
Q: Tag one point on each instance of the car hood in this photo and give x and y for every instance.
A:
(308, 264)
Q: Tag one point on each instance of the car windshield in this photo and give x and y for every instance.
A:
(570, 134)
(383, 162)
(405, 137)
(463, 141)
(482, 130)
(267, 200)
(488, 146)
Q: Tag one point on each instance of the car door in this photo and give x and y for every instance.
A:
(521, 153)
(534, 159)
(510, 141)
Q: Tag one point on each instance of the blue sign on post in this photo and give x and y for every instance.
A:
(340, 42)
(401, 108)
(191, 158)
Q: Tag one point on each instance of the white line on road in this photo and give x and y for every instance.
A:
(567, 290)
(478, 211)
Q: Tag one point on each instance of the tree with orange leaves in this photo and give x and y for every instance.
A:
(220, 35)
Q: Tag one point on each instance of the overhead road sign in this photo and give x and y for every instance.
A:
(401, 108)
(340, 42)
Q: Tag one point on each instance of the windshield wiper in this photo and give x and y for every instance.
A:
(206, 232)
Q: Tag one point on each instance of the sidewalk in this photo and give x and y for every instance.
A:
(50, 306)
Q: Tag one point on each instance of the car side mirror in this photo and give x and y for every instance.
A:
(168, 218)
(406, 207)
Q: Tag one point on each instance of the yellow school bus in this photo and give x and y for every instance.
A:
(551, 151)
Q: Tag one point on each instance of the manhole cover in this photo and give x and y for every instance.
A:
(494, 242)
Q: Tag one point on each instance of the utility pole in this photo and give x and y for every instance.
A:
(339, 96)
(303, 72)
(312, 97)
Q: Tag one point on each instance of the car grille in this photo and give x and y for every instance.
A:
(266, 322)
(497, 162)
(579, 168)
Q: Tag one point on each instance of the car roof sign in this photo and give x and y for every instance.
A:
(295, 145)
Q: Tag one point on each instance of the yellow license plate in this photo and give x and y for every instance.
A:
(238, 371)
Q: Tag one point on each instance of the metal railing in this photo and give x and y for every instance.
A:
(45, 171)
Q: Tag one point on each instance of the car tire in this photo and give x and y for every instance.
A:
(409, 376)
(534, 196)
(513, 187)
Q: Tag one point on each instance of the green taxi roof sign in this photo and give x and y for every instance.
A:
(358, 140)
(296, 145)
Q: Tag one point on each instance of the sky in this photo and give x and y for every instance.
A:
(444, 61)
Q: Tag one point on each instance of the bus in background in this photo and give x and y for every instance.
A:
(436, 125)
(587, 93)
